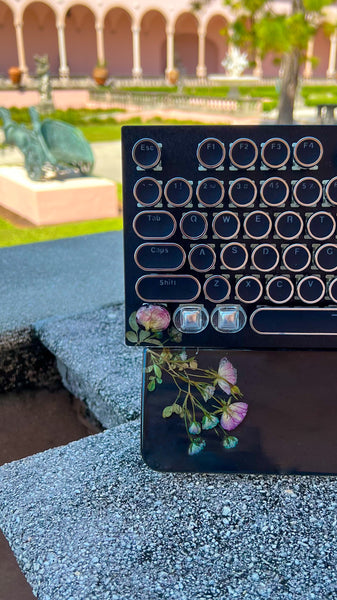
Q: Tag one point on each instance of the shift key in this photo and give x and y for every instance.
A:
(168, 288)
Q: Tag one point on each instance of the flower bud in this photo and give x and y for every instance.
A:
(194, 428)
(153, 317)
(197, 446)
(230, 442)
(208, 422)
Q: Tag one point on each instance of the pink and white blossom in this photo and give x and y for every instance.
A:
(227, 375)
(153, 318)
(233, 415)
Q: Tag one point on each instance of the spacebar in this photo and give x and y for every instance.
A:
(294, 321)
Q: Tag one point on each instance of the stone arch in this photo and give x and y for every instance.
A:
(80, 35)
(216, 43)
(153, 43)
(117, 35)
(8, 49)
(321, 52)
(40, 35)
(186, 43)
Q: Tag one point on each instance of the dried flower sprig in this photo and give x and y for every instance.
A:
(198, 401)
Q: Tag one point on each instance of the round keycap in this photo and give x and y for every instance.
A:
(257, 224)
(146, 153)
(193, 224)
(308, 191)
(243, 153)
(211, 153)
(160, 257)
(326, 257)
(202, 258)
(226, 225)
(280, 289)
(178, 191)
(289, 225)
(274, 191)
(321, 225)
(234, 256)
(331, 191)
(265, 257)
(210, 191)
(275, 153)
(308, 152)
(147, 191)
(296, 258)
(333, 290)
(154, 225)
(249, 289)
(242, 192)
(311, 289)
(217, 288)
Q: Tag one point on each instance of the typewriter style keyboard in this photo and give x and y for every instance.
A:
(233, 229)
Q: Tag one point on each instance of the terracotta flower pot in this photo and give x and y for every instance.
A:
(14, 74)
(100, 75)
(173, 76)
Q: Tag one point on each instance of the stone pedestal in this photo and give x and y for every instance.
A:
(52, 202)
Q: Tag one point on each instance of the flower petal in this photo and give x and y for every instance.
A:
(194, 428)
(233, 415)
(196, 446)
(227, 372)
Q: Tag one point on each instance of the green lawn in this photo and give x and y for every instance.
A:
(11, 235)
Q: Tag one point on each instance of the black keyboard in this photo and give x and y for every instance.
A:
(233, 230)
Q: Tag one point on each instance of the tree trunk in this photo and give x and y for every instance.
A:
(288, 88)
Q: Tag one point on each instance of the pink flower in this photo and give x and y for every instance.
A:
(233, 415)
(228, 373)
(153, 318)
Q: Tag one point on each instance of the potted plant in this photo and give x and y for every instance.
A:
(14, 74)
(100, 73)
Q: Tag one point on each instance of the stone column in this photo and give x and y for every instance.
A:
(137, 70)
(331, 72)
(169, 49)
(21, 51)
(63, 68)
(201, 66)
(100, 43)
(307, 72)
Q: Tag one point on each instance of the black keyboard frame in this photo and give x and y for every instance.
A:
(178, 159)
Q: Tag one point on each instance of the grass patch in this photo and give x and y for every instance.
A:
(213, 92)
(155, 90)
(11, 235)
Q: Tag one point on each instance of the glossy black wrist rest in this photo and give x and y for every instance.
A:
(290, 426)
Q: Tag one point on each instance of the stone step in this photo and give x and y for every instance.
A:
(94, 363)
(91, 521)
(62, 277)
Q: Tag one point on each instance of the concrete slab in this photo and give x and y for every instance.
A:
(89, 520)
(52, 202)
(62, 277)
(93, 361)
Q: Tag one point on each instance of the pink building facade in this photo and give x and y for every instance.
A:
(135, 38)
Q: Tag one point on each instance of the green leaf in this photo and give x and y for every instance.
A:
(155, 342)
(143, 335)
(149, 369)
(159, 380)
(151, 385)
(157, 370)
(167, 412)
(132, 337)
(133, 322)
(177, 409)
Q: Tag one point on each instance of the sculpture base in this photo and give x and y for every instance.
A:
(52, 202)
